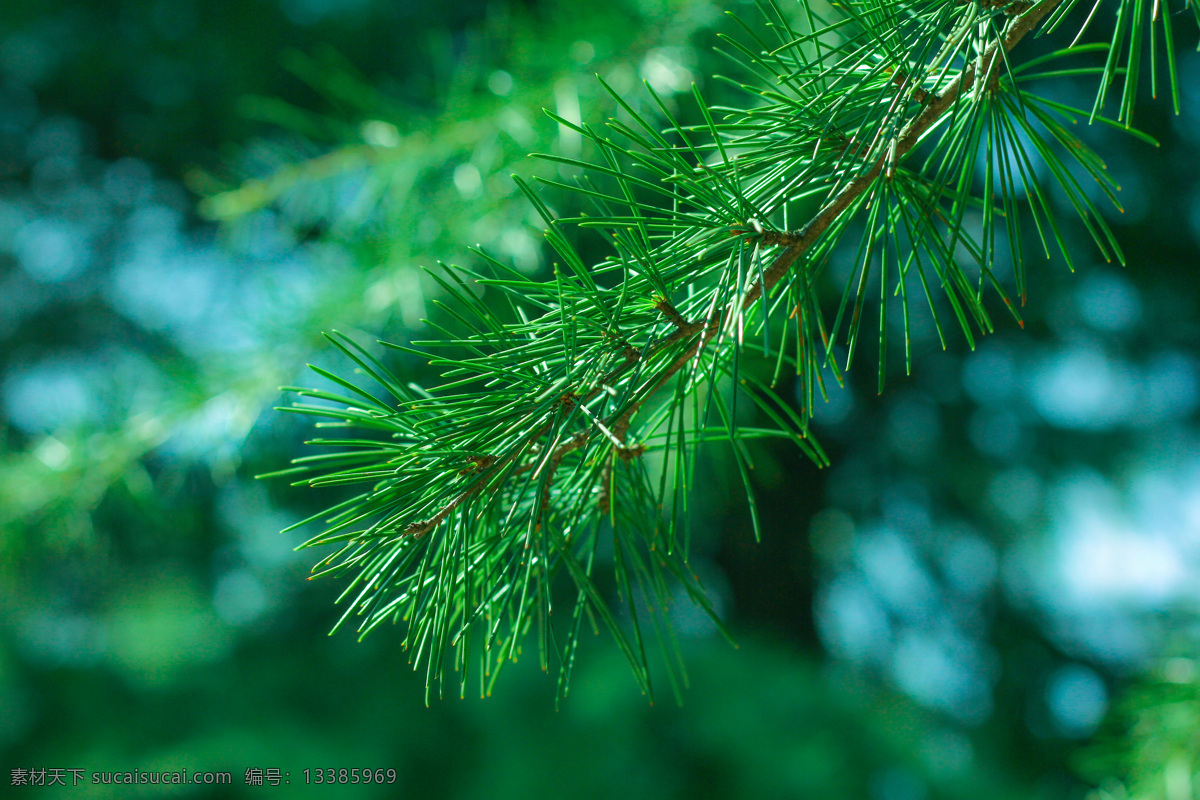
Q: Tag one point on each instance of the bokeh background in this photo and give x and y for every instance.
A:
(992, 592)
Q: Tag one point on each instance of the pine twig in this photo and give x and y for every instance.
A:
(799, 242)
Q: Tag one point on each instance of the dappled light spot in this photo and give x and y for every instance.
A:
(998, 432)
(1082, 386)
(239, 597)
(54, 393)
(945, 672)
(1108, 302)
(852, 620)
(1016, 493)
(666, 70)
(51, 250)
(1077, 699)
(989, 374)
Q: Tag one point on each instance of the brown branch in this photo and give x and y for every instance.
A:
(903, 79)
(669, 311)
(478, 464)
(779, 238)
(418, 529)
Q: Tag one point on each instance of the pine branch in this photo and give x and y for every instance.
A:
(799, 242)
(506, 475)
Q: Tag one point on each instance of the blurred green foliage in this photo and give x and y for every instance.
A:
(1148, 747)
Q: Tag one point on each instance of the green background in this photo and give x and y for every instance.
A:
(1005, 544)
